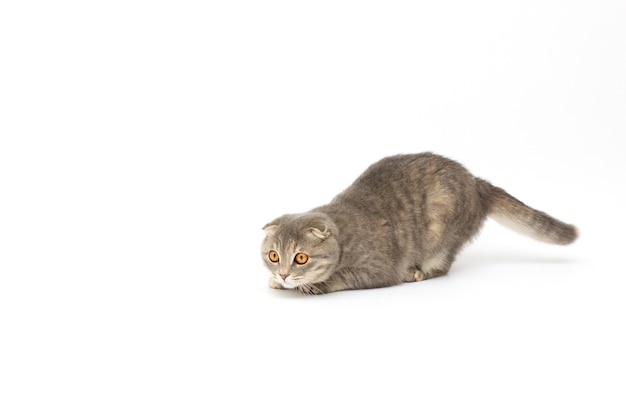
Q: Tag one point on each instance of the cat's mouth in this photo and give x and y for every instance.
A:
(291, 282)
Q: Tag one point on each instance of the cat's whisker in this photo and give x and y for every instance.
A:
(306, 289)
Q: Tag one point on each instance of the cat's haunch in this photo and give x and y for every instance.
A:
(404, 219)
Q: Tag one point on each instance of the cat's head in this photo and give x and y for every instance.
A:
(300, 249)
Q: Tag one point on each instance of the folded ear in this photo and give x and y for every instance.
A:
(270, 228)
(323, 235)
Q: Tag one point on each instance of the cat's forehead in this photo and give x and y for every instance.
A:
(296, 221)
(288, 241)
(293, 226)
(295, 230)
(290, 246)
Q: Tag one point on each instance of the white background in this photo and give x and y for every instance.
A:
(143, 145)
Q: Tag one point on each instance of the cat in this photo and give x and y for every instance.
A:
(403, 220)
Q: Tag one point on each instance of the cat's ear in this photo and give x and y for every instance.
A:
(323, 235)
(270, 228)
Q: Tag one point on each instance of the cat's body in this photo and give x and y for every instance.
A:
(404, 219)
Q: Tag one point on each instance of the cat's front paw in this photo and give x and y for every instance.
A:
(276, 285)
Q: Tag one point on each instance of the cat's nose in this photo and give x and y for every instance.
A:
(284, 276)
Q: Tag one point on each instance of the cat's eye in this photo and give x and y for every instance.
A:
(301, 258)
(273, 255)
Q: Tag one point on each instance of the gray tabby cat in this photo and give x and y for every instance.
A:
(404, 219)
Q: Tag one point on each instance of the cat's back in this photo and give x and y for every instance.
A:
(422, 170)
(411, 184)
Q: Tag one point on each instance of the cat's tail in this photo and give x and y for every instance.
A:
(512, 213)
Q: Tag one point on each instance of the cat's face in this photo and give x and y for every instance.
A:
(300, 249)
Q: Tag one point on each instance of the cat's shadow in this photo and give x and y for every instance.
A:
(474, 259)
(289, 294)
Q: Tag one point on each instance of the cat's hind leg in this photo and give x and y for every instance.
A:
(412, 275)
(416, 274)
(432, 267)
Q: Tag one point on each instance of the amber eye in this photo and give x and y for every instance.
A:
(273, 255)
(301, 258)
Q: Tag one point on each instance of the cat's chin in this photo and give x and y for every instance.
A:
(279, 284)
(289, 284)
